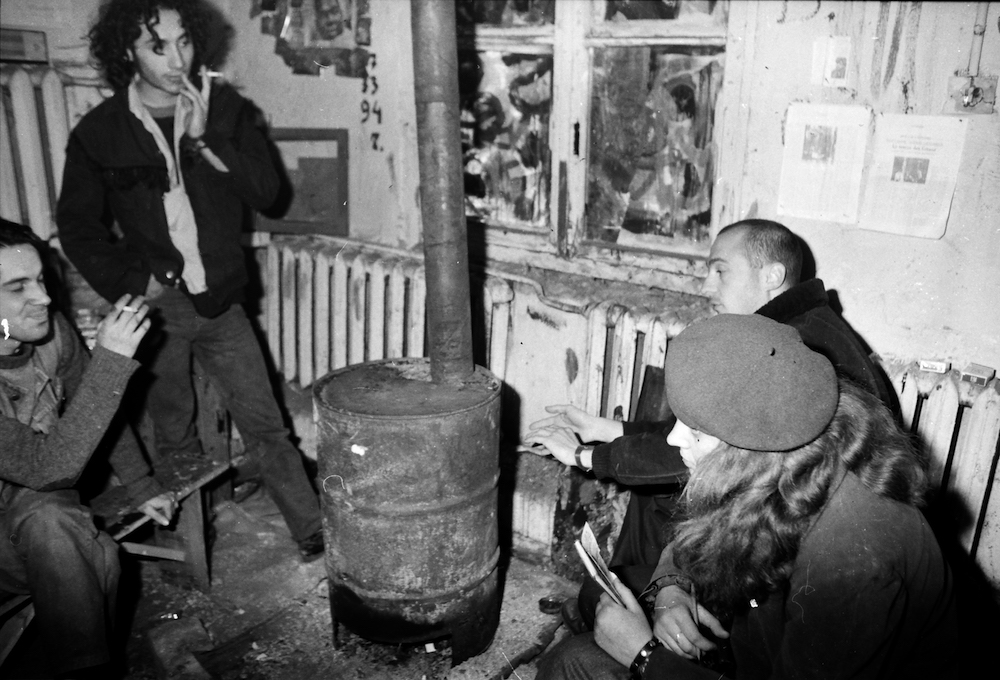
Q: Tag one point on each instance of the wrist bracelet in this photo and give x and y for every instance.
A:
(579, 457)
(654, 588)
(638, 667)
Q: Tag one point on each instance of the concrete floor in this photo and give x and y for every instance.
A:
(267, 616)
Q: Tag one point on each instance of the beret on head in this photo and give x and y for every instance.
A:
(751, 382)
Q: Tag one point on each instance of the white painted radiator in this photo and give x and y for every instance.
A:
(958, 424)
(330, 303)
(38, 108)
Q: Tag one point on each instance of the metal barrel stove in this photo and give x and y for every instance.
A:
(409, 472)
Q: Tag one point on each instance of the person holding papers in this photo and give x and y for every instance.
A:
(802, 542)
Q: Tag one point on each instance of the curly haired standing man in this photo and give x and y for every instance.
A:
(175, 161)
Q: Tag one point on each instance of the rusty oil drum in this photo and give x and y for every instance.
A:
(409, 472)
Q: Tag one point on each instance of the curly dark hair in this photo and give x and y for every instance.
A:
(118, 27)
(14, 234)
(746, 512)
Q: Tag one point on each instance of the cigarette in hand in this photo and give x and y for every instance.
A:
(214, 74)
(130, 308)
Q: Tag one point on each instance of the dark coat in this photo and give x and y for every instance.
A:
(115, 171)
(869, 596)
(643, 456)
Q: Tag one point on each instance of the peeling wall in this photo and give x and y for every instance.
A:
(383, 182)
(65, 23)
(909, 297)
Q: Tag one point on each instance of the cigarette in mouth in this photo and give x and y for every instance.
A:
(130, 308)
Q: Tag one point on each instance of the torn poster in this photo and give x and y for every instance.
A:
(913, 173)
(823, 161)
(831, 63)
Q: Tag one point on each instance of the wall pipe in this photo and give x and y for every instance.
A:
(442, 195)
(978, 33)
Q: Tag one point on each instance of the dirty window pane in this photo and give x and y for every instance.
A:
(505, 13)
(650, 165)
(632, 10)
(506, 100)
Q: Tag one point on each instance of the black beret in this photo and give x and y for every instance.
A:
(751, 382)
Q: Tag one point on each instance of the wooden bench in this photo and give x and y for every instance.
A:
(188, 482)
(112, 511)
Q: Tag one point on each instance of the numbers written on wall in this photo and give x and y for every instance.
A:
(371, 110)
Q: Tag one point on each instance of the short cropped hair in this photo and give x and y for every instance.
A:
(766, 241)
(118, 27)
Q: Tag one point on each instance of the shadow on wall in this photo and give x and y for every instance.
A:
(978, 604)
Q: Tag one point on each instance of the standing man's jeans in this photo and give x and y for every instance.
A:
(51, 550)
(227, 350)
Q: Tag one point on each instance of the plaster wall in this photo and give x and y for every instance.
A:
(383, 182)
(909, 297)
(65, 23)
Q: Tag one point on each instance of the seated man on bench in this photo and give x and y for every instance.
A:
(56, 404)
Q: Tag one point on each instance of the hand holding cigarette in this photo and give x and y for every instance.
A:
(123, 329)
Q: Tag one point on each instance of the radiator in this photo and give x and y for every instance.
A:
(332, 303)
(38, 108)
(958, 425)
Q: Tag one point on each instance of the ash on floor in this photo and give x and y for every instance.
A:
(267, 616)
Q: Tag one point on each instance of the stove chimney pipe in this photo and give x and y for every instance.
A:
(442, 195)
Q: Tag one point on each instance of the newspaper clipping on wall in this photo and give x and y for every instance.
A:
(913, 174)
(823, 161)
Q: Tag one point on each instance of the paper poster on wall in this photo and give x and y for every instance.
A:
(822, 162)
(831, 61)
(913, 174)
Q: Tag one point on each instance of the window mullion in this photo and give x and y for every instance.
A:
(569, 124)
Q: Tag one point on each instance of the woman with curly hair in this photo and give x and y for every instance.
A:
(802, 542)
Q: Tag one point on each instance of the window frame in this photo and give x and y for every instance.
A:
(577, 32)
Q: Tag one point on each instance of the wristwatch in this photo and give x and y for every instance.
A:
(638, 667)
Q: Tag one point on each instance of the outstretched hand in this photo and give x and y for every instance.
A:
(559, 441)
(676, 619)
(590, 428)
(125, 326)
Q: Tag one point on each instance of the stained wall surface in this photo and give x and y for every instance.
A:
(909, 297)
